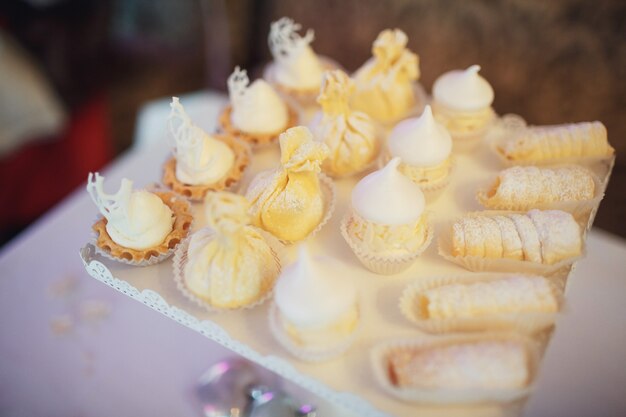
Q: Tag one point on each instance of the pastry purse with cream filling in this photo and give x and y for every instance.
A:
(384, 83)
(229, 263)
(288, 201)
(350, 135)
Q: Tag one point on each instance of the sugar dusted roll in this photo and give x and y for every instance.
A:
(481, 302)
(476, 365)
(523, 187)
(546, 144)
(545, 237)
(478, 368)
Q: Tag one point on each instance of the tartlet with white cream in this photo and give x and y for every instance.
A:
(256, 113)
(201, 162)
(138, 227)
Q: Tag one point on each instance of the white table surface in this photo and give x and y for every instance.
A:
(57, 358)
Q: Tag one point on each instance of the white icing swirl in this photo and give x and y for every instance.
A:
(313, 292)
(135, 219)
(297, 66)
(420, 141)
(257, 108)
(463, 90)
(200, 159)
(388, 197)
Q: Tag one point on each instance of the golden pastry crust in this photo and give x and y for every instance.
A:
(522, 187)
(180, 229)
(546, 237)
(227, 126)
(197, 192)
(551, 143)
(427, 176)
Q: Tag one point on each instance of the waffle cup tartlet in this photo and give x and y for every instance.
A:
(384, 260)
(388, 358)
(231, 179)
(183, 219)
(579, 207)
(255, 139)
(413, 305)
(180, 261)
(503, 264)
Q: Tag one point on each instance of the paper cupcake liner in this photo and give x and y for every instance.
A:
(196, 193)
(183, 223)
(380, 354)
(257, 140)
(304, 98)
(308, 354)
(330, 198)
(478, 264)
(529, 323)
(180, 261)
(384, 264)
(431, 190)
(578, 209)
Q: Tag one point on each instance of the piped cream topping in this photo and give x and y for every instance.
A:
(135, 219)
(257, 108)
(420, 141)
(314, 292)
(388, 197)
(200, 158)
(297, 66)
(463, 90)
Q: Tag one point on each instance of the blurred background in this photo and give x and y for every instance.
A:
(74, 73)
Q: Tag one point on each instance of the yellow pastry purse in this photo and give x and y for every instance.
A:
(288, 201)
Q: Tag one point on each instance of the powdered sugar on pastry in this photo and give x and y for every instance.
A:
(510, 294)
(523, 186)
(559, 234)
(484, 364)
(544, 143)
(529, 237)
